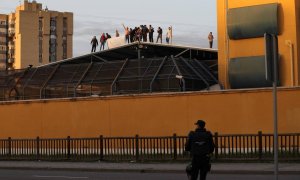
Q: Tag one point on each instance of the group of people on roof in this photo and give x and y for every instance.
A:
(141, 33)
(103, 39)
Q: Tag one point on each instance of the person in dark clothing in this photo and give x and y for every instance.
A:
(151, 31)
(159, 35)
(131, 35)
(145, 31)
(200, 144)
(108, 36)
(94, 43)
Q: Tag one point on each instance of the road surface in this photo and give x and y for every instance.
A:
(64, 175)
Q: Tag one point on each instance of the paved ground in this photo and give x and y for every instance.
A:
(217, 168)
(63, 175)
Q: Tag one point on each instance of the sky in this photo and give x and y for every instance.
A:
(191, 20)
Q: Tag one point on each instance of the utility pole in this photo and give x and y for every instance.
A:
(271, 63)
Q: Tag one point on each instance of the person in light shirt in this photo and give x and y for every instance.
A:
(169, 35)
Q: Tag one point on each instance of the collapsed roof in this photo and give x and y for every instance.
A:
(131, 69)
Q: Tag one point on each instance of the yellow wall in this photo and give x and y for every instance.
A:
(255, 46)
(239, 111)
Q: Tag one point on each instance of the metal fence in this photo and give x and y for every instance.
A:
(228, 147)
(130, 76)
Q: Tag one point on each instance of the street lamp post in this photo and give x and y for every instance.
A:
(271, 63)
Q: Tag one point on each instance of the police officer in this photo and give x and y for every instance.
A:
(200, 144)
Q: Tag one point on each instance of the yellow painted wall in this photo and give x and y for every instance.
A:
(255, 46)
(239, 112)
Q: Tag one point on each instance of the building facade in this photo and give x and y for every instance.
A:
(37, 36)
(233, 47)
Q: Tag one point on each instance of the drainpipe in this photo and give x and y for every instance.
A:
(291, 46)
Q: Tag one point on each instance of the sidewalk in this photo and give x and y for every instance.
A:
(218, 168)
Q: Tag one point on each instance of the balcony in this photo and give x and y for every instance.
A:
(3, 34)
(11, 60)
(11, 45)
(11, 51)
(11, 32)
(12, 23)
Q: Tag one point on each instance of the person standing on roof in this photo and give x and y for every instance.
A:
(108, 36)
(94, 44)
(145, 32)
(102, 41)
(159, 35)
(131, 35)
(117, 33)
(151, 31)
(138, 34)
(169, 35)
(127, 33)
(210, 39)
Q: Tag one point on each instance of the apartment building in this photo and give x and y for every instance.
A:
(35, 36)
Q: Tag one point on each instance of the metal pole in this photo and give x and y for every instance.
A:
(227, 46)
(139, 69)
(275, 81)
(275, 129)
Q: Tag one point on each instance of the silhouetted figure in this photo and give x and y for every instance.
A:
(200, 144)
(210, 39)
(94, 43)
(159, 35)
(151, 32)
(108, 36)
(131, 35)
(145, 31)
(117, 33)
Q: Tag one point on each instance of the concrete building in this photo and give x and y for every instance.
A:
(37, 36)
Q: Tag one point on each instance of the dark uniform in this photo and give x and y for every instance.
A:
(159, 36)
(151, 31)
(94, 43)
(200, 144)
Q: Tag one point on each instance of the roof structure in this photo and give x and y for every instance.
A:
(130, 69)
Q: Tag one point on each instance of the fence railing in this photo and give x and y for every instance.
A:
(228, 147)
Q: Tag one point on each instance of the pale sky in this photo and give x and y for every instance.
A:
(192, 20)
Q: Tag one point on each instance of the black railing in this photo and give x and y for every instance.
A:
(257, 147)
